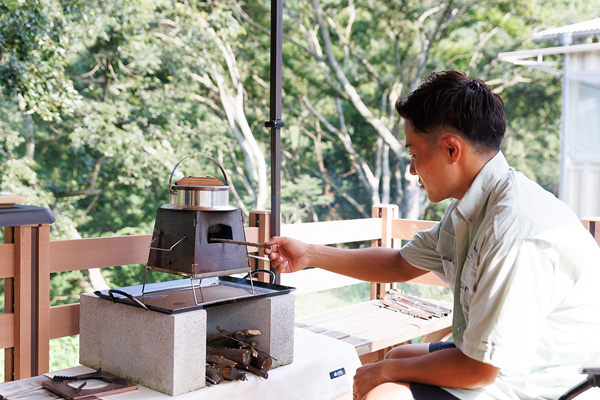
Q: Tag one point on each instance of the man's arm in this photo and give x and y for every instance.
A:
(374, 264)
(448, 367)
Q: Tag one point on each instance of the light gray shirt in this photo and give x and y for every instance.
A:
(526, 281)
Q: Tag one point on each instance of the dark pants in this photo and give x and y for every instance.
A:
(427, 392)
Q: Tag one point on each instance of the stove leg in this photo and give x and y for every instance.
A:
(194, 291)
(200, 289)
(144, 285)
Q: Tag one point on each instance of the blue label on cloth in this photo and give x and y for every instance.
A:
(337, 373)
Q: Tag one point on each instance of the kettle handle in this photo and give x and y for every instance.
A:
(201, 154)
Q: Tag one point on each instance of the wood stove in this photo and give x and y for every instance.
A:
(197, 235)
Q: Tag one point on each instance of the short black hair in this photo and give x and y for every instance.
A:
(450, 99)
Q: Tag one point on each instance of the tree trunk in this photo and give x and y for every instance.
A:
(232, 99)
(413, 196)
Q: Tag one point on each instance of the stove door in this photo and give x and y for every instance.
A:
(215, 257)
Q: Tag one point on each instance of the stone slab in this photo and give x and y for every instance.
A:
(167, 352)
(164, 352)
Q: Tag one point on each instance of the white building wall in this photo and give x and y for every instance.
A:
(582, 130)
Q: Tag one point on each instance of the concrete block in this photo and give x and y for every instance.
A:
(163, 352)
(273, 316)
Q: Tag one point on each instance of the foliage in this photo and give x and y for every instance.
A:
(64, 352)
(301, 197)
(131, 275)
(310, 303)
(34, 46)
(525, 141)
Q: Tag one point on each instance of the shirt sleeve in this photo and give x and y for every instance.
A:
(421, 250)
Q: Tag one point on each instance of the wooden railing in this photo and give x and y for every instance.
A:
(28, 257)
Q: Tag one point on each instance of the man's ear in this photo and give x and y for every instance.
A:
(452, 146)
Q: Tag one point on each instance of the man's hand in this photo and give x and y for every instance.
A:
(368, 377)
(287, 255)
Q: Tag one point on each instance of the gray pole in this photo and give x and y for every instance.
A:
(275, 122)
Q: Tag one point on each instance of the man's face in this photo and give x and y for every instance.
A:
(428, 163)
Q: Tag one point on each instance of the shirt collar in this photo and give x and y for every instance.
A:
(472, 203)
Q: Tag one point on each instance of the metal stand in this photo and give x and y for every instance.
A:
(144, 285)
(193, 287)
(194, 290)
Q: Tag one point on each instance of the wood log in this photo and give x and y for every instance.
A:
(226, 341)
(256, 371)
(253, 349)
(213, 376)
(228, 373)
(240, 356)
(230, 341)
(241, 353)
(251, 332)
(240, 377)
(220, 360)
(245, 332)
(262, 361)
(237, 335)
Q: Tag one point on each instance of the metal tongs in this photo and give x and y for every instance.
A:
(260, 245)
(240, 243)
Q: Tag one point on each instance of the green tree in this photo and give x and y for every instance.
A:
(347, 63)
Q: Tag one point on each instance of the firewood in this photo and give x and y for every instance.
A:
(213, 376)
(256, 371)
(226, 341)
(241, 376)
(230, 341)
(220, 360)
(262, 360)
(240, 356)
(237, 335)
(227, 351)
(228, 373)
(245, 332)
(253, 349)
(251, 332)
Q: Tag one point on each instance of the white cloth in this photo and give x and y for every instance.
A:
(315, 374)
(525, 276)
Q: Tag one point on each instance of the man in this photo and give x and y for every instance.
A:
(522, 268)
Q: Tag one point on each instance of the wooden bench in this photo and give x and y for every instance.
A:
(374, 330)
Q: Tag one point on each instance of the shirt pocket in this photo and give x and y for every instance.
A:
(468, 282)
(449, 272)
(445, 248)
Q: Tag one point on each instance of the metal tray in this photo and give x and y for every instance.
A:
(176, 296)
